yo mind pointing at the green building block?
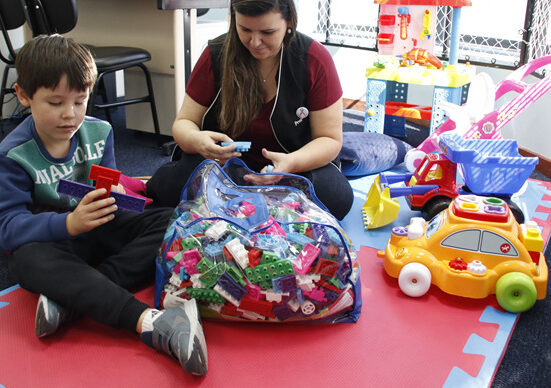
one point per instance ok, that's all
(178, 256)
(266, 272)
(334, 281)
(301, 228)
(236, 275)
(265, 285)
(205, 295)
(210, 277)
(204, 265)
(269, 257)
(190, 243)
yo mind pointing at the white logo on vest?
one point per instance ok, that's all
(302, 113)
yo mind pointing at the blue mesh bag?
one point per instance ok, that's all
(256, 253)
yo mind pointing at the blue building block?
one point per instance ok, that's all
(214, 252)
(285, 284)
(272, 242)
(241, 146)
(231, 286)
(298, 238)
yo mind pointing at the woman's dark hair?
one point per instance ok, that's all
(242, 91)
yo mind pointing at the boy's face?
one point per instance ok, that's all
(58, 113)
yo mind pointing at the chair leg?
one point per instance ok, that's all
(152, 102)
(4, 88)
(92, 99)
(103, 91)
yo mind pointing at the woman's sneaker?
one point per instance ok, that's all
(49, 317)
(178, 332)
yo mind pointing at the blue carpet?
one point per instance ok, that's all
(137, 153)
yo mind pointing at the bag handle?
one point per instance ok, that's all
(227, 201)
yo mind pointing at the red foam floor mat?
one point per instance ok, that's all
(434, 341)
(397, 341)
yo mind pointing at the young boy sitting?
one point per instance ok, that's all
(82, 257)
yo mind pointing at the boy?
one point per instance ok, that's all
(84, 256)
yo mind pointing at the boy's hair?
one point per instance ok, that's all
(44, 60)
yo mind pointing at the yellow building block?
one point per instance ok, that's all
(531, 237)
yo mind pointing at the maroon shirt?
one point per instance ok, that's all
(324, 90)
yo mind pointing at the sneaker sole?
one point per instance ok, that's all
(42, 327)
(197, 363)
(197, 348)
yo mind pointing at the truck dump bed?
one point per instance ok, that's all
(489, 166)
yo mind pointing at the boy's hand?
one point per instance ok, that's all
(90, 213)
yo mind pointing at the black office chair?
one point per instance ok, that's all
(12, 16)
(60, 16)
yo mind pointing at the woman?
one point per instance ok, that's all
(266, 83)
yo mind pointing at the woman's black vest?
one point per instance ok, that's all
(291, 132)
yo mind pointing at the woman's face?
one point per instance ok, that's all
(262, 35)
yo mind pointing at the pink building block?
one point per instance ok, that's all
(292, 204)
(275, 229)
(253, 291)
(247, 208)
(316, 294)
(190, 259)
(305, 259)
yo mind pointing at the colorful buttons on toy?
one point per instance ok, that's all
(474, 207)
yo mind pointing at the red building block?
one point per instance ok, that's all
(104, 177)
(254, 257)
(261, 307)
(327, 267)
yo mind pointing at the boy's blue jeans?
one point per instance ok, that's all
(95, 273)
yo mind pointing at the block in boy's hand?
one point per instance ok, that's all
(104, 177)
(79, 190)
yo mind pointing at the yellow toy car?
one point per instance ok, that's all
(474, 248)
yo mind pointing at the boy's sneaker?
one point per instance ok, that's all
(179, 333)
(49, 317)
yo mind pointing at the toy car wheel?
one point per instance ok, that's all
(435, 206)
(413, 159)
(516, 292)
(414, 279)
(308, 308)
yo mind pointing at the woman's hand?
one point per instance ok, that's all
(187, 132)
(207, 147)
(281, 162)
